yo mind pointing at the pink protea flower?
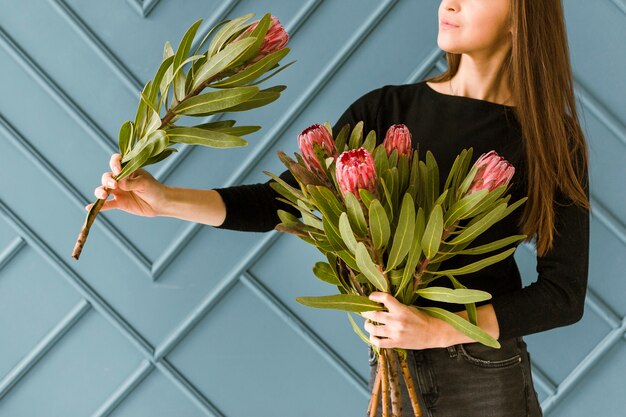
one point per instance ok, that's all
(276, 38)
(493, 171)
(355, 168)
(398, 137)
(316, 133)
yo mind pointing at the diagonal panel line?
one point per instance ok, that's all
(603, 114)
(11, 251)
(144, 369)
(298, 107)
(81, 286)
(433, 59)
(620, 5)
(543, 380)
(136, 6)
(66, 187)
(148, 5)
(301, 328)
(129, 80)
(55, 92)
(96, 301)
(576, 376)
(602, 309)
(214, 297)
(188, 388)
(179, 244)
(44, 345)
(607, 219)
(143, 8)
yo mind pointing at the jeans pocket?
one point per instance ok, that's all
(484, 356)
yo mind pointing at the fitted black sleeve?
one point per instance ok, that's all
(557, 298)
(253, 207)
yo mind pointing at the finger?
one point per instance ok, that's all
(115, 163)
(108, 205)
(378, 316)
(385, 298)
(108, 180)
(101, 193)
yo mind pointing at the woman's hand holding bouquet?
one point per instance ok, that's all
(384, 226)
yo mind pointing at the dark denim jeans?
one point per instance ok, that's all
(469, 380)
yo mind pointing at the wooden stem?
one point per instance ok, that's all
(373, 405)
(394, 383)
(385, 382)
(408, 380)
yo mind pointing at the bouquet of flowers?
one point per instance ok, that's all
(238, 54)
(384, 225)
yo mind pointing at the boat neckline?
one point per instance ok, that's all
(470, 99)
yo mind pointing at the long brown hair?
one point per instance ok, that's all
(540, 78)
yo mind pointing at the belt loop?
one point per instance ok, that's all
(452, 351)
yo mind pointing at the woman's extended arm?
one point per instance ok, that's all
(200, 206)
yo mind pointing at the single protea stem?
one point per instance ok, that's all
(410, 386)
(394, 383)
(95, 208)
(398, 137)
(372, 408)
(385, 381)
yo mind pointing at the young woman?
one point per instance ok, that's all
(508, 88)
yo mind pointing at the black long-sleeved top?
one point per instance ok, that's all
(446, 124)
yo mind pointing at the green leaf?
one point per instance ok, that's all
(203, 137)
(366, 197)
(355, 214)
(230, 28)
(404, 233)
(473, 231)
(158, 78)
(463, 206)
(158, 158)
(476, 266)
(154, 144)
(414, 253)
(462, 325)
(379, 225)
(258, 34)
(433, 233)
(220, 61)
(488, 247)
(253, 71)
(215, 101)
(346, 232)
(127, 131)
(349, 302)
(358, 330)
(282, 67)
(185, 44)
(356, 137)
(457, 296)
(140, 117)
(472, 314)
(369, 268)
(326, 273)
(370, 141)
(469, 178)
(262, 98)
